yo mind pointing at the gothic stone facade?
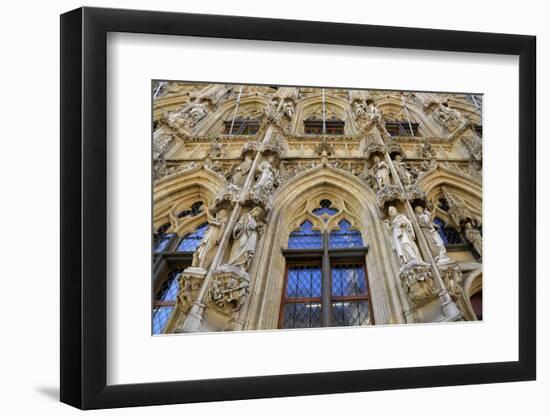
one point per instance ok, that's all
(283, 207)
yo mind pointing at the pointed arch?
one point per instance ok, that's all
(361, 211)
(310, 106)
(179, 192)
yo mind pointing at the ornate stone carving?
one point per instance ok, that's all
(403, 171)
(246, 234)
(216, 149)
(474, 237)
(202, 257)
(388, 193)
(403, 237)
(228, 290)
(452, 277)
(190, 282)
(435, 243)
(417, 280)
(448, 117)
(242, 170)
(458, 211)
(381, 172)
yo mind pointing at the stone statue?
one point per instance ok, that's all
(241, 172)
(288, 110)
(402, 170)
(374, 113)
(197, 113)
(203, 255)
(381, 172)
(448, 117)
(265, 183)
(359, 110)
(435, 243)
(246, 236)
(474, 237)
(403, 237)
(216, 149)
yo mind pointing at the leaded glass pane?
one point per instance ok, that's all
(303, 282)
(191, 241)
(350, 313)
(449, 235)
(161, 242)
(302, 315)
(348, 280)
(169, 289)
(160, 318)
(345, 237)
(305, 238)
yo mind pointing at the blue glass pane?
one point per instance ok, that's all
(345, 238)
(302, 315)
(160, 318)
(449, 235)
(348, 280)
(305, 238)
(303, 281)
(350, 313)
(191, 241)
(169, 289)
(161, 242)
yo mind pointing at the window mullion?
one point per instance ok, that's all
(327, 286)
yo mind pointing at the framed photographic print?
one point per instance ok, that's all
(291, 208)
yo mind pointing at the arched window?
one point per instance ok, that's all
(345, 237)
(317, 126)
(191, 241)
(305, 238)
(325, 286)
(449, 235)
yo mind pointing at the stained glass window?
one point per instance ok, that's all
(165, 300)
(191, 241)
(195, 209)
(325, 207)
(305, 238)
(345, 237)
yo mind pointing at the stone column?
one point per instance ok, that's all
(449, 308)
(194, 318)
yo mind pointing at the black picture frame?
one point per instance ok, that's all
(84, 207)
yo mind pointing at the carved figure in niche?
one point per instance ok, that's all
(381, 172)
(402, 170)
(235, 292)
(216, 149)
(241, 172)
(203, 255)
(448, 117)
(426, 150)
(403, 237)
(435, 243)
(265, 183)
(184, 293)
(197, 113)
(288, 110)
(246, 235)
(474, 237)
(359, 110)
(374, 113)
